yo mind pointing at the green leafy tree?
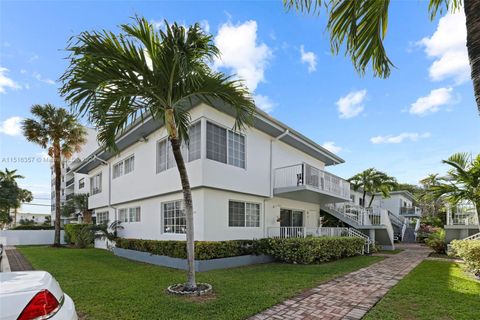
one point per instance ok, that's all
(58, 131)
(11, 195)
(373, 181)
(359, 27)
(462, 181)
(116, 78)
(22, 197)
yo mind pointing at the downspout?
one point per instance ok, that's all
(286, 132)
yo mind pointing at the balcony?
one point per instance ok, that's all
(70, 182)
(463, 214)
(304, 182)
(410, 211)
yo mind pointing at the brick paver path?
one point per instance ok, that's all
(352, 295)
(17, 261)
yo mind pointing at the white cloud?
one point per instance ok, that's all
(351, 105)
(205, 26)
(158, 24)
(6, 82)
(332, 147)
(412, 136)
(447, 46)
(11, 126)
(39, 77)
(309, 58)
(23, 71)
(33, 58)
(264, 103)
(241, 52)
(432, 102)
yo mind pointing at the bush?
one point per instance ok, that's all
(436, 241)
(469, 251)
(33, 227)
(311, 250)
(425, 231)
(204, 250)
(80, 235)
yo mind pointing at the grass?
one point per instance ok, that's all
(105, 286)
(433, 290)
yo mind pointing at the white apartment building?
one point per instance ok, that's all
(267, 181)
(72, 182)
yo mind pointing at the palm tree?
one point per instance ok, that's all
(360, 27)
(373, 181)
(24, 195)
(80, 201)
(115, 78)
(462, 181)
(58, 131)
(10, 192)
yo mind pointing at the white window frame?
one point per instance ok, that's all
(138, 214)
(123, 215)
(121, 166)
(101, 217)
(227, 146)
(245, 203)
(129, 158)
(92, 184)
(81, 183)
(182, 209)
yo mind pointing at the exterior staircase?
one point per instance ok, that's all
(409, 235)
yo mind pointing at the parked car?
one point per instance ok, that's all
(28, 295)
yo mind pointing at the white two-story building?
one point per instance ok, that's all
(266, 181)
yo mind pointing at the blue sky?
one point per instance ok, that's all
(404, 125)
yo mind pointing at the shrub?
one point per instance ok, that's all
(33, 227)
(312, 250)
(204, 250)
(80, 235)
(469, 251)
(436, 241)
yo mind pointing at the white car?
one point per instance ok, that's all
(29, 295)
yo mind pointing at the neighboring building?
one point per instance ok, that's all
(37, 218)
(462, 221)
(72, 182)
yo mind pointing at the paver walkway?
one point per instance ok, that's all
(352, 295)
(16, 260)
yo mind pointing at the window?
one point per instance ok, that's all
(129, 164)
(165, 157)
(102, 217)
(81, 183)
(118, 169)
(134, 214)
(225, 146)
(123, 215)
(243, 214)
(96, 184)
(174, 217)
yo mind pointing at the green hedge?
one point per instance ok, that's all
(469, 251)
(204, 250)
(72, 231)
(33, 227)
(312, 250)
(303, 250)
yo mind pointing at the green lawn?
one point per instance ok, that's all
(433, 290)
(104, 286)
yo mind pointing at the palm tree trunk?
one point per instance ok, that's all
(472, 14)
(363, 198)
(58, 173)
(371, 200)
(477, 208)
(188, 207)
(15, 217)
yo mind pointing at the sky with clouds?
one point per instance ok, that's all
(404, 125)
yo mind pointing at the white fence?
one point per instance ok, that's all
(28, 237)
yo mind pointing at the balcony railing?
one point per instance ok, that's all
(304, 174)
(70, 182)
(462, 214)
(410, 211)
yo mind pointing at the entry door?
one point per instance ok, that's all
(291, 218)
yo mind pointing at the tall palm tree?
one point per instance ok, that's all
(58, 131)
(373, 181)
(462, 181)
(115, 78)
(10, 191)
(360, 26)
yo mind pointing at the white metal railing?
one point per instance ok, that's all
(410, 211)
(355, 233)
(475, 236)
(327, 232)
(286, 232)
(351, 211)
(462, 214)
(304, 174)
